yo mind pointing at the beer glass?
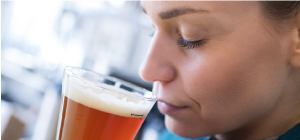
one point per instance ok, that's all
(99, 107)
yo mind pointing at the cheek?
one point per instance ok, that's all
(232, 84)
(215, 81)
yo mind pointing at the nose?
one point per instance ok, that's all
(158, 64)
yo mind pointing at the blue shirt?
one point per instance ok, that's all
(292, 134)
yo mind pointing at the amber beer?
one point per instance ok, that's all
(80, 122)
(97, 111)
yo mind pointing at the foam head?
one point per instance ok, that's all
(107, 98)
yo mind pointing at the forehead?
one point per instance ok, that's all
(231, 7)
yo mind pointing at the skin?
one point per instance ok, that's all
(242, 83)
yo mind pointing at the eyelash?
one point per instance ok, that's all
(189, 44)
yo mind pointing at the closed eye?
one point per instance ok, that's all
(189, 44)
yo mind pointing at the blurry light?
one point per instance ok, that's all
(23, 13)
(52, 53)
(74, 54)
(11, 54)
(16, 56)
(117, 3)
(90, 5)
(48, 115)
(68, 22)
(29, 14)
(150, 134)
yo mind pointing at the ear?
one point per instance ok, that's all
(295, 59)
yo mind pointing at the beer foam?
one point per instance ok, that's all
(104, 99)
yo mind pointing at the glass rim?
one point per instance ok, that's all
(70, 70)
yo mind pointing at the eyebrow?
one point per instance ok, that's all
(177, 12)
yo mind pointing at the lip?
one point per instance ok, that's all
(167, 108)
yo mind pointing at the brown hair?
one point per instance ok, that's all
(280, 10)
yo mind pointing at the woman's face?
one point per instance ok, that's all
(217, 66)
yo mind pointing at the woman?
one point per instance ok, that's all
(229, 70)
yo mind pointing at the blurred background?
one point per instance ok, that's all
(40, 38)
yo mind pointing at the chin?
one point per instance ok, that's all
(185, 130)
